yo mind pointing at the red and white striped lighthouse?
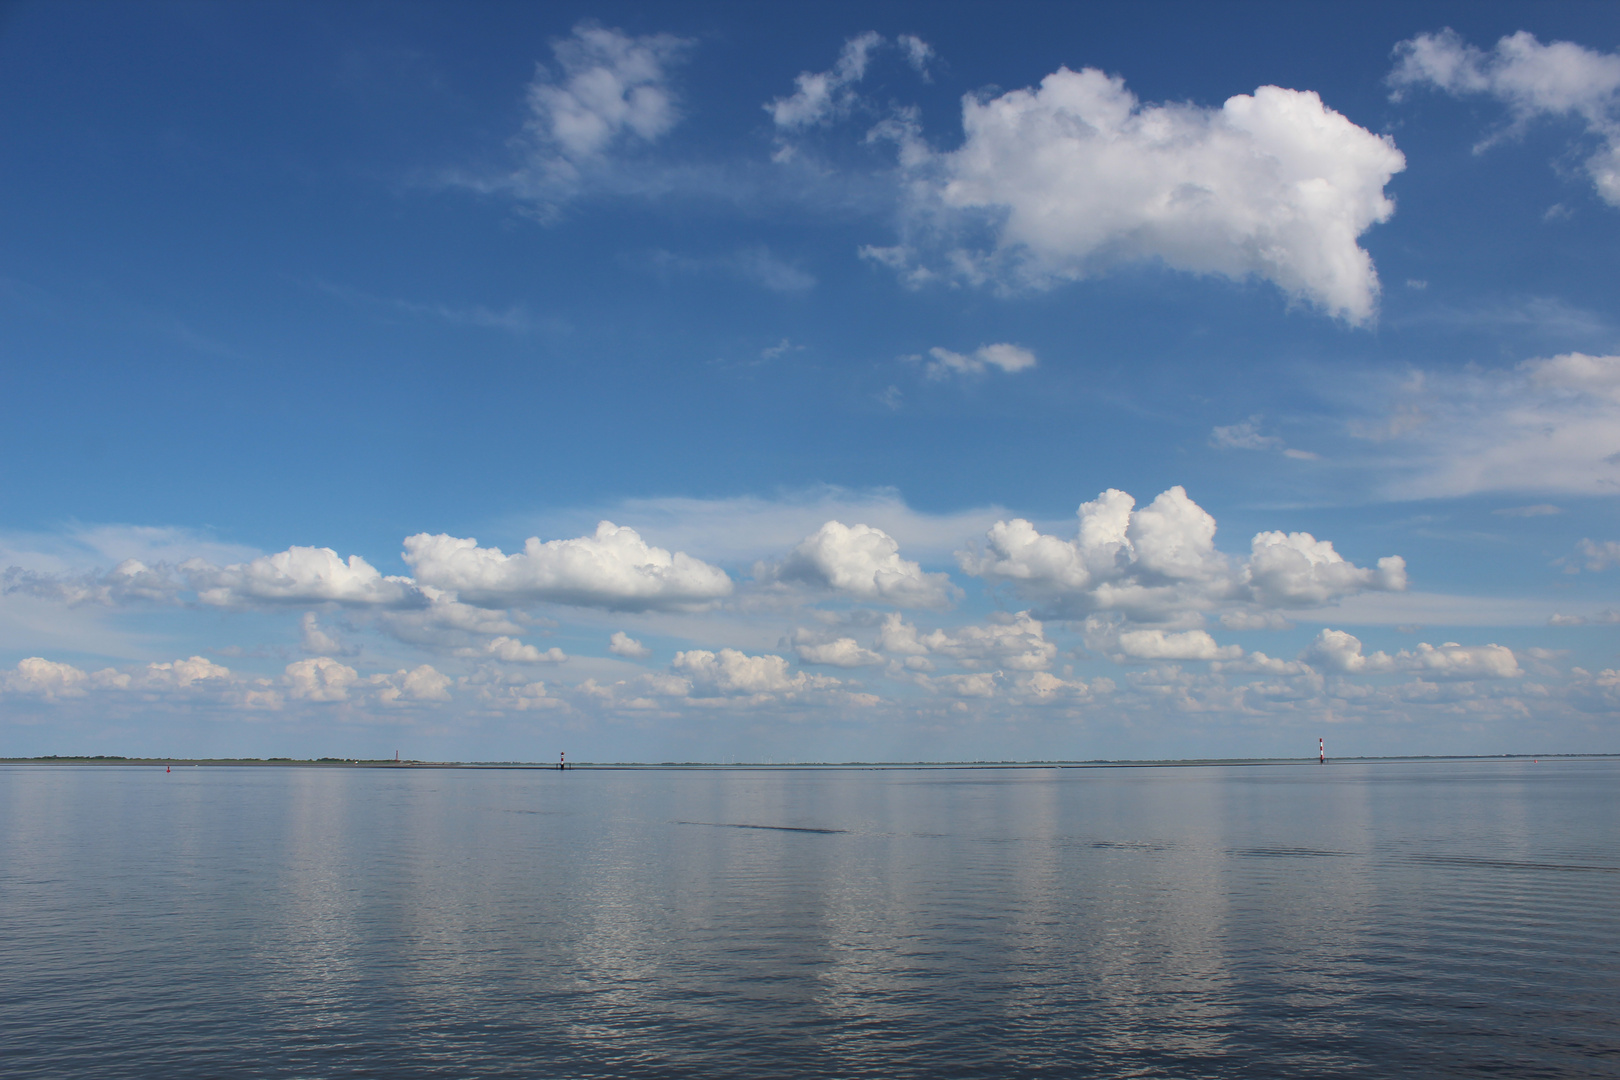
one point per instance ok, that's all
(1321, 752)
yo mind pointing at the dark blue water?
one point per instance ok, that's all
(1444, 919)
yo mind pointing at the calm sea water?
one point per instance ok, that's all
(1431, 919)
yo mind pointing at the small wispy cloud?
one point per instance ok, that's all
(1599, 555)
(822, 96)
(756, 264)
(1533, 81)
(514, 318)
(1003, 357)
(780, 349)
(1548, 426)
(1248, 436)
(1538, 510)
(1244, 436)
(1545, 318)
(1606, 616)
(609, 95)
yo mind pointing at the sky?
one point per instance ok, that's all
(834, 382)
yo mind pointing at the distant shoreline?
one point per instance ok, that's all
(700, 766)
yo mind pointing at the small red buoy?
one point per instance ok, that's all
(167, 769)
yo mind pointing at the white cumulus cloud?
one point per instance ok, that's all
(421, 683)
(512, 651)
(1298, 570)
(1159, 563)
(613, 569)
(1336, 650)
(320, 678)
(53, 681)
(1077, 175)
(179, 674)
(47, 679)
(1455, 661)
(861, 561)
(981, 684)
(731, 671)
(843, 652)
(622, 644)
(1339, 651)
(1174, 645)
(299, 575)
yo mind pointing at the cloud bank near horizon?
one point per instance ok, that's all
(1132, 596)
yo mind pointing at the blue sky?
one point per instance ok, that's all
(1062, 381)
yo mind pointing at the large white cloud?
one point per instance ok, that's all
(863, 562)
(1078, 174)
(1532, 80)
(1298, 570)
(1159, 563)
(613, 569)
(299, 575)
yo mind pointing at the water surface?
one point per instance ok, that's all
(1422, 919)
